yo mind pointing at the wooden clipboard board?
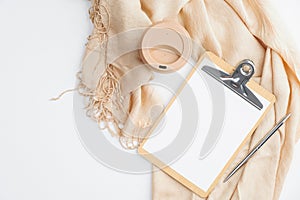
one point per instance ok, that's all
(187, 169)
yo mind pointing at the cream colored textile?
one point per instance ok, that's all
(233, 30)
(114, 78)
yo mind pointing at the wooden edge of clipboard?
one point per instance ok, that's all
(168, 170)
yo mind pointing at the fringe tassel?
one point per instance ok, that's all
(100, 104)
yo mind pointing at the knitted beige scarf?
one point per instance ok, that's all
(234, 30)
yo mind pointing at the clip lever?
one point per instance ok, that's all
(238, 80)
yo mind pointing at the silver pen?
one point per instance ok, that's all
(257, 146)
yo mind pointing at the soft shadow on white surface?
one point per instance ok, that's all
(41, 45)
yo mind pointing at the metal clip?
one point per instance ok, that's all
(238, 80)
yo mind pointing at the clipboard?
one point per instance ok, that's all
(201, 173)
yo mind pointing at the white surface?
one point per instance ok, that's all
(41, 44)
(203, 172)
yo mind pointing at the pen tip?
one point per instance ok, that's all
(226, 179)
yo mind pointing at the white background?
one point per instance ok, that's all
(41, 157)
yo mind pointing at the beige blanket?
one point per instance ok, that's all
(231, 29)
